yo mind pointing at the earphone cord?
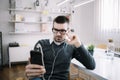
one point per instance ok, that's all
(40, 49)
(53, 65)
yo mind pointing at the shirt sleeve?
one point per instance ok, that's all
(83, 56)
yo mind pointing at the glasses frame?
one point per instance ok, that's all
(61, 31)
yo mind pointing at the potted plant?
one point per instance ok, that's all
(91, 48)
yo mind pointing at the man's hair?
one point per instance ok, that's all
(61, 19)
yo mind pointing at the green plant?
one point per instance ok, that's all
(91, 47)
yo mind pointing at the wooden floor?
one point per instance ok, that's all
(16, 72)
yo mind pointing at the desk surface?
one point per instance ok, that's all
(105, 68)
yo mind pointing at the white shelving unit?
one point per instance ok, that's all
(35, 23)
(26, 18)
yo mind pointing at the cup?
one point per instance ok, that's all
(110, 55)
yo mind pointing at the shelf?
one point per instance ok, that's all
(65, 13)
(13, 21)
(31, 32)
(25, 10)
(32, 10)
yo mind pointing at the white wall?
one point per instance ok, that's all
(4, 26)
(83, 21)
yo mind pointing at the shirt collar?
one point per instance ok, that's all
(51, 40)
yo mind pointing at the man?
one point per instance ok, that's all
(58, 54)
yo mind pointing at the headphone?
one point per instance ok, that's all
(53, 64)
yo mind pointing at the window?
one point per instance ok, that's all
(110, 15)
(107, 21)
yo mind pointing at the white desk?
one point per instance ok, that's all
(18, 54)
(105, 68)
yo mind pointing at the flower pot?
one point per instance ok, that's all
(91, 52)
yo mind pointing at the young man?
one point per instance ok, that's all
(58, 54)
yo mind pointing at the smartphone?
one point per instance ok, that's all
(36, 57)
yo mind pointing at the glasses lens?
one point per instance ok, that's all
(61, 31)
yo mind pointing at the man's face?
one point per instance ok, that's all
(59, 31)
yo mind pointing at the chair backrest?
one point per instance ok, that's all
(73, 72)
(102, 46)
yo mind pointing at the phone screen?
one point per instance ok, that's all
(36, 57)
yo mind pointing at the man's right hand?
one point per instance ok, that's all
(34, 70)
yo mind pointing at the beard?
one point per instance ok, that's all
(59, 39)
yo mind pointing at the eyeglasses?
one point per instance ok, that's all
(61, 31)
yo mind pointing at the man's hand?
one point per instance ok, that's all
(34, 70)
(73, 40)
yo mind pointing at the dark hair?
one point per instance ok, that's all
(61, 19)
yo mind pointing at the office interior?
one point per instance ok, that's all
(96, 22)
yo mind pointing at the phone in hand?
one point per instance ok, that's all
(36, 57)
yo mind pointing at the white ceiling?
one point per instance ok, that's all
(73, 1)
(53, 3)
